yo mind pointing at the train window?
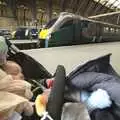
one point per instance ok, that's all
(84, 24)
(50, 23)
(116, 30)
(92, 28)
(106, 29)
(66, 24)
(112, 29)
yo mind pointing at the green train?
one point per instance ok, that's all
(71, 29)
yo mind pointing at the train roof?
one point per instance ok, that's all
(105, 23)
(87, 19)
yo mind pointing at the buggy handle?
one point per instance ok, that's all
(12, 46)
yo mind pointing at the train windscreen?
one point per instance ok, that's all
(50, 23)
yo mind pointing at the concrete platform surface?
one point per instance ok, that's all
(71, 56)
(23, 41)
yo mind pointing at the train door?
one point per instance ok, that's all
(117, 34)
(77, 32)
(88, 31)
(92, 31)
(64, 35)
(84, 32)
(98, 32)
(106, 33)
(112, 34)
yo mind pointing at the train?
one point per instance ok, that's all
(71, 29)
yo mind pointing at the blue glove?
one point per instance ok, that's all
(99, 99)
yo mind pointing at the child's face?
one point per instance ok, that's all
(19, 76)
(15, 70)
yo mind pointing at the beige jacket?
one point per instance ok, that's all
(13, 93)
(19, 87)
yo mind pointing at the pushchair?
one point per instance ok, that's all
(34, 70)
(36, 74)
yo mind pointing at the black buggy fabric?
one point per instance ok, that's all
(112, 113)
(31, 68)
(104, 114)
(34, 70)
(100, 65)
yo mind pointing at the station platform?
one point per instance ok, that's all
(72, 56)
(25, 44)
(23, 41)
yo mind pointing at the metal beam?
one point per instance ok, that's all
(13, 6)
(104, 15)
(81, 5)
(62, 5)
(112, 5)
(78, 6)
(71, 3)
(94, 6)
(86, 6)
(89, 8)
(98, 9)
(102, 7)
(74, 8)
(97, 4)
(49, 9)
(34, 9)
(116, 6)
(118, 19)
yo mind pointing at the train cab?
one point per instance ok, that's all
(60, 31)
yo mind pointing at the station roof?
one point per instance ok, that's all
(84, 8)
(112, 4)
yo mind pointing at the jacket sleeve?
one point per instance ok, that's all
(87, 80)
(84, 80)
(4, 80)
